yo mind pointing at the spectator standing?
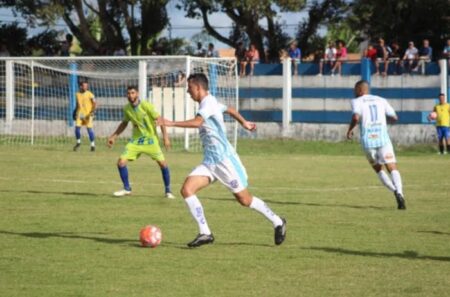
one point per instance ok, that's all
(200, 51)
(296, 55)
(212, 53)
(240, 56)
(329, 57)
(410, 56)
(341, 57)
(382, 56)
(425, 55)
(446, 52)
(252, 56)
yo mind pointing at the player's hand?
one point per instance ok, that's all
(111, 141)
(167, 143)
(74, 114)
(350, 134)
(164, 122)
(249, 126)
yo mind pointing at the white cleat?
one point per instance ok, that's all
(169, 195)
(122, 193)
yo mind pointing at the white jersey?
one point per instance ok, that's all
(373, 128)
(213, 134)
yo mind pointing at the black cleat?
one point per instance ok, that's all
(76, 147)
(280, 232)
(201, 239)
(400, 201)
(92, 148)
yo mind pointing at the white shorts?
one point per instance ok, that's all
(230, 172)
(381, 155)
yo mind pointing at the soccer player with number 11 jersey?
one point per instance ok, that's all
(370, 112)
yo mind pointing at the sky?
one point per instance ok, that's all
(181, 26)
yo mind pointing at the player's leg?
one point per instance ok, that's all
(77, 134)
(232, 174)
(129, 154)
(154, 151)
(165, 172)
(199, 178)
(91, 134)
(372, 156)
(447, 138)
(387, 157)
(440, 134)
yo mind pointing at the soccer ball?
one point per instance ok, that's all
(432, 115)
(150, 236)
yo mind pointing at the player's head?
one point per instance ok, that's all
(132, 94)
(442, 98)
(198, 86)
(84, 86)
(361, 88)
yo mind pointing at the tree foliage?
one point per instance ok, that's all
(14, 38)
(120, 25)
(403, 20)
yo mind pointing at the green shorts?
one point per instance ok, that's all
(133, 151)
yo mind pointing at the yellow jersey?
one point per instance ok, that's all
(85, 102)
(443, 115)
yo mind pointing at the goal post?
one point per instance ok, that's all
(37, 95)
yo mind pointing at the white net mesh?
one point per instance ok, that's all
(37, 96)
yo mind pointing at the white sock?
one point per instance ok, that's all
(397, 179)
(93, 143)
(261, 207)
(78, 141)
(196, 209)
(385, 179)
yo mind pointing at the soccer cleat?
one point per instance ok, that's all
(169, 195)
(201, 239)
(400, 201)
(122, 193)
(280, 232)
(92, 148)
(76, 147)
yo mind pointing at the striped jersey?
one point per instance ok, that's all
(373, 128)
(213, 135)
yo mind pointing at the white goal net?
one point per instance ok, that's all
(37, 96)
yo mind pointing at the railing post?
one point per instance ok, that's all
(9, 88)
(287, 96)
(143, 80)
(365, 69)
(443, 65)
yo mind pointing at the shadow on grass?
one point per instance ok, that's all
(410, 255)
(231, 199)
(435, 232)
(107, 195)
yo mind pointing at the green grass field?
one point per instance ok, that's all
(63, 234)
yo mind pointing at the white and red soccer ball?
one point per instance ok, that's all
(432, 116)
(150, 236)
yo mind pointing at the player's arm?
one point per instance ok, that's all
(192, 123)
(164, 133)
(238, 117)
(353, 123)
(75, 110)
(94, 105)
(112, 139)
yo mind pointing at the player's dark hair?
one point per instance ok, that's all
(82, 82)
(200, 79)
(361, 83)
(132, 88)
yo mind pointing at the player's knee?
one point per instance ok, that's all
(186, 191)
(121, 163)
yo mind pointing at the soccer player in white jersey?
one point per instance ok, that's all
(220, 161)
(370, 112)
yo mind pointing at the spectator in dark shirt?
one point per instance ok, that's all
(240, 56)
(425, 55)
(382, 57)
(395, 56)
(295, 54)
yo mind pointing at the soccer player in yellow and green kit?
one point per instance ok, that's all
(83, 114)
(443, 123)
(144, 140)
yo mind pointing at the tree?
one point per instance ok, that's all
(119, 23)
(403, 20)
(256, 17)
(14, 38)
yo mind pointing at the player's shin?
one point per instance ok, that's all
(91, 136)
(384, 178)
(166, 178)
(123, 171)
(397, 179)
(261, 207)
(196, 209)
(78, 134)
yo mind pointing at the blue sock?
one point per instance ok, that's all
(91, 134)
(123, 171)
(78, 134)
(166, 178)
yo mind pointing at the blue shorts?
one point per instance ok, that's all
(443, 132)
